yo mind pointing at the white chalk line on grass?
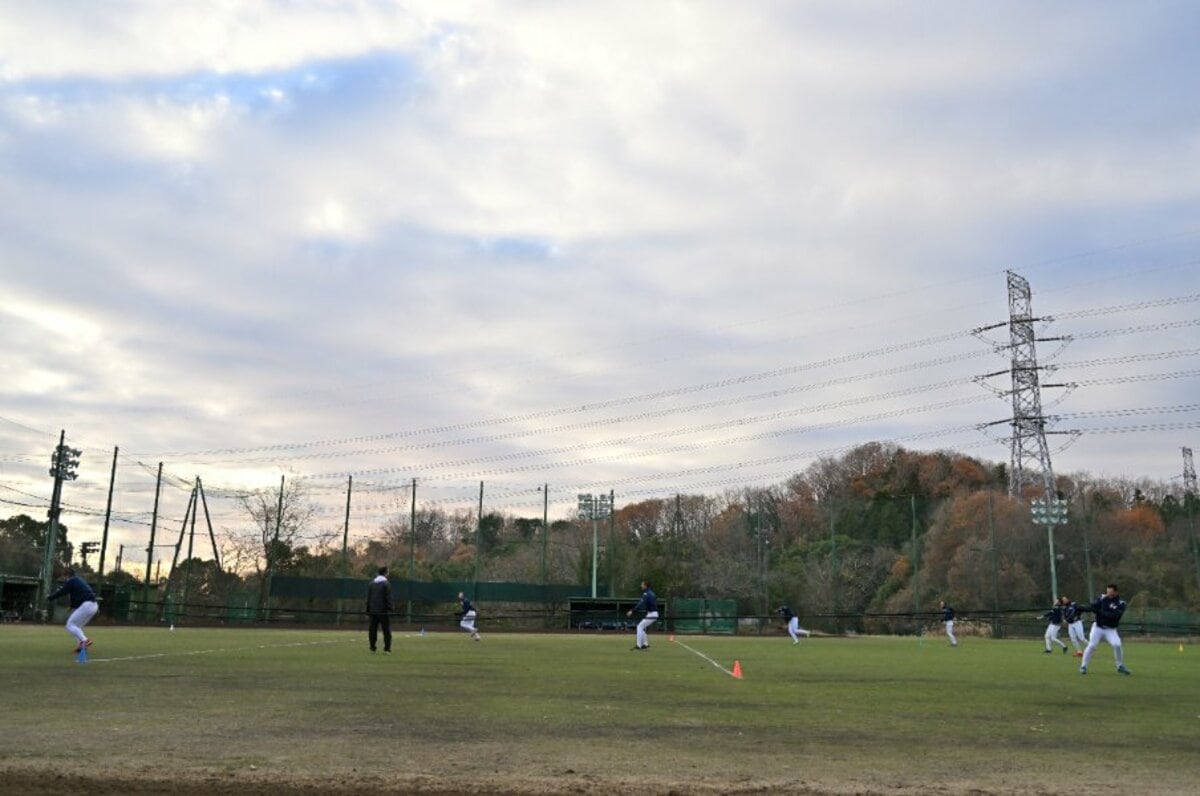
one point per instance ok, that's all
(212, 651)
(705, 657)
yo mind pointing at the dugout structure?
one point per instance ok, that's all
(687, 615)
(608, 613)
(18, 597)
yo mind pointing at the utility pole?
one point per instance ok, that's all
(112, 481)
(833, 575)
(995, 566)
(153, 528)
(912, 507)
(346, 524)
(412, 548)
(545, 490)
(63, 462)
(150, 545)
(612, 544)
(344, 569)
(1189, 501)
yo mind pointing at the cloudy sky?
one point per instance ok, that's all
(643, 247)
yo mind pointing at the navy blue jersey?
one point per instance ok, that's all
(1055, 615)
(79, 591)
(786, 613)
(466, 606)
(947, 613)
(1108, 610)
(1071, 612)
(648, 603)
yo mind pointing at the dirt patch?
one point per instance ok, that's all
(250, 782)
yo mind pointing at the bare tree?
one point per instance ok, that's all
(280, 517)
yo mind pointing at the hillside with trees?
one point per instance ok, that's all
(878, 532)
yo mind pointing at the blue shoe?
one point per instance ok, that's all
(1122, 670)
(1083, 670)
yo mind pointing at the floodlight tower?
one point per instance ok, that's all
(594, 507)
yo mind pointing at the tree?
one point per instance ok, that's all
(275, 533)
(23, 545)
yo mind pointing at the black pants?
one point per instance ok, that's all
(380, 621)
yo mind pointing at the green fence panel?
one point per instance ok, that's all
(293, 587)
(697, 615)
(1161, 621)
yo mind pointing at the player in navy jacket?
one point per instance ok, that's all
(1108, 609)
(649, 604)
(793, 623)
(467, 612)
(83, 604)
(1055, 615)
(1073, 618)
(948, 619)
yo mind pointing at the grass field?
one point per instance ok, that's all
(275, 711)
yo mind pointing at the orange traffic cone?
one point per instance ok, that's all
(737, 670)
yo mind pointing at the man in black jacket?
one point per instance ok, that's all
(1108, 609)
(379, 608)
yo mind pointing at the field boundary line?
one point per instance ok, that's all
(151, 655)
(705, 657)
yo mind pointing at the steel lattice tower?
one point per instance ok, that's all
(1030, 453)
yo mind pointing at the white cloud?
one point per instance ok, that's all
(254, 225)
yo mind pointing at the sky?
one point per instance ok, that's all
(645, 248)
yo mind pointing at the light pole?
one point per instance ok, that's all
(594, 507)
(1050, 511)
(545, 490)
(62, 468)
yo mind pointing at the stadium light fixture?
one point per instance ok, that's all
(1050, 511)
(63, 464)
(594, 508)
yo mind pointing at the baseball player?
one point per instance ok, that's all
(467, 612)
(1108, 609)
(793, 624)
(1073, 617)
(1055, 615)
(83, 605)
(948, 618)
(649, 604)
